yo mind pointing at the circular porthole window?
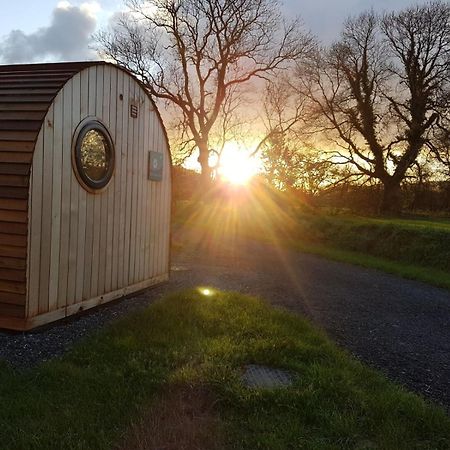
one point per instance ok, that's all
(94, 155)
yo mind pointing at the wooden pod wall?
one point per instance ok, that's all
(64, 248)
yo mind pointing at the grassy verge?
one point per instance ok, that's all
(424, 243)
(414, 249)
(119, 386)
(431, 276)
(417, 249)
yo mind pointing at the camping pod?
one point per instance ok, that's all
(85, 190)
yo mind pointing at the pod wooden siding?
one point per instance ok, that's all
(64, 249)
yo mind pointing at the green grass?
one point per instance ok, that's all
(417, 249)
(89, 398)
(428, 275)
(416, 222)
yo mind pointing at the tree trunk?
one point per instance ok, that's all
(206, 172)
(391, 202)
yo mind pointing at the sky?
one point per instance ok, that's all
(49, 30)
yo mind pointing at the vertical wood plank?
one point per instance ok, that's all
(34, 230)
(118, 193)
(47, 182)
(162, 224)
(29, 218)
(65, 194)
(167, 202)
(148, 147)
(110, 103)
(145, 182)
(97, 198)
(141, 191)
(128, 181)
(137, 193)
(89, 242)
(153, 211)
(123, 185)
(75, 272)
(103, 86)
(80, 206)
(133, 188)
(55, 242)
(159, 214)
(165, 225)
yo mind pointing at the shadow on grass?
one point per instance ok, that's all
(159, 369)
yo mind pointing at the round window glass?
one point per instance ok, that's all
(94, 155)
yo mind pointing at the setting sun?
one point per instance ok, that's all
(236, 167)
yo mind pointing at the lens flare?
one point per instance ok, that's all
(236, 167)
(206, 292)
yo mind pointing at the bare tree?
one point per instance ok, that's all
(194, 53)
(378, 92)
(283, 112)
(289, 165)
(439, 142)
(290, 162)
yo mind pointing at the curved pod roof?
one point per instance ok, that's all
(26, 93)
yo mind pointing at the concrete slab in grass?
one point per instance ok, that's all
(256, 376)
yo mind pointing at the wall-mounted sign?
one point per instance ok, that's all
(155, 166)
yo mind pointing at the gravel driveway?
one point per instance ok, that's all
(401, 327)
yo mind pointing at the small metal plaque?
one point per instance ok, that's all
(155, 169)
(255, 376)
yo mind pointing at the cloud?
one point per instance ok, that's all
(67, 38)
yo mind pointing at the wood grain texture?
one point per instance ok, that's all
(61, 246)
(17, 320)
(26, 94)
(83, 246)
